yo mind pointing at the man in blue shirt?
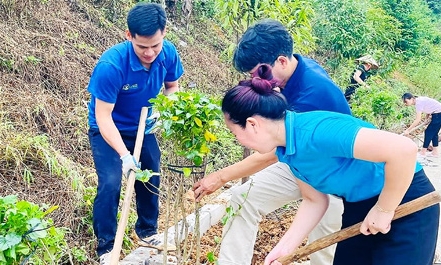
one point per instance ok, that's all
(307, 87)
(126, 76)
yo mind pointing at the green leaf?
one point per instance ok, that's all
(11, 252)
(145, 175)
(211, 257)
(187, 171)
(10, 199)
(9, 241)
(197, 160)
(38, 229)
(2, 257)
(23, 249)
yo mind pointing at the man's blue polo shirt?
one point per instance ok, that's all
(310, 88)
(120, 78)
(319, 151)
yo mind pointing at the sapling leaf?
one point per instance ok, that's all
(209, 136)
(38, 229)
(186, 171)
(145, 175)
(198, 121)
(197, 160)
(204, 149)
(188, 120)
(211, 257)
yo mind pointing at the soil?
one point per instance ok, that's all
(272, 227)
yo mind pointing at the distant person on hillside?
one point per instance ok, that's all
(432, 108)
(360, 74)
(307, 87)
(373, 171)
(126, 76)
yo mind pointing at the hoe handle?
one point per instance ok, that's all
(402, 210)
(114, 256)
(416, 128)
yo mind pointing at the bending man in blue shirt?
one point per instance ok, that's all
(307, 87)
(126, 76)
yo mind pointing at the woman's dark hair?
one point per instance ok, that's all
(407, 96)
(145, 19)
(255, 96)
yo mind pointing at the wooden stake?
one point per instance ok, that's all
(116, 251)
(402, 210)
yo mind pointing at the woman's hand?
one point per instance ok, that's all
(377, 220)
(207, 185)
(277, 252)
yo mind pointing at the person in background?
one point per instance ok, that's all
(126, 76)
(432, 108)
(373, 171)
(307, 87)
(360, 74)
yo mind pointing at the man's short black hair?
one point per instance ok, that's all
(145, 19)
(263, 42)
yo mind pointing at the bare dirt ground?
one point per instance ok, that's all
(271, 229)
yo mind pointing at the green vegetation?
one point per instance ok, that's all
(50, 47)
(189, 120)
(26, 233)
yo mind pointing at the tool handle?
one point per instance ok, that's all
(416, 127)
(116, 251)
(401, 211)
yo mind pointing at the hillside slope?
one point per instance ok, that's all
(49, 49)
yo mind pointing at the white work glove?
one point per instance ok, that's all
(129, 163)
(152, 123)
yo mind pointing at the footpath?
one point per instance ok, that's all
(432, 167)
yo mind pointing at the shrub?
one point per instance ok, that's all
(27, 235)
(377, 105)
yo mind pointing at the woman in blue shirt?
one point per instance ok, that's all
(373, 171)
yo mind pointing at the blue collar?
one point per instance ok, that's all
(293, 81)
(290, 119)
